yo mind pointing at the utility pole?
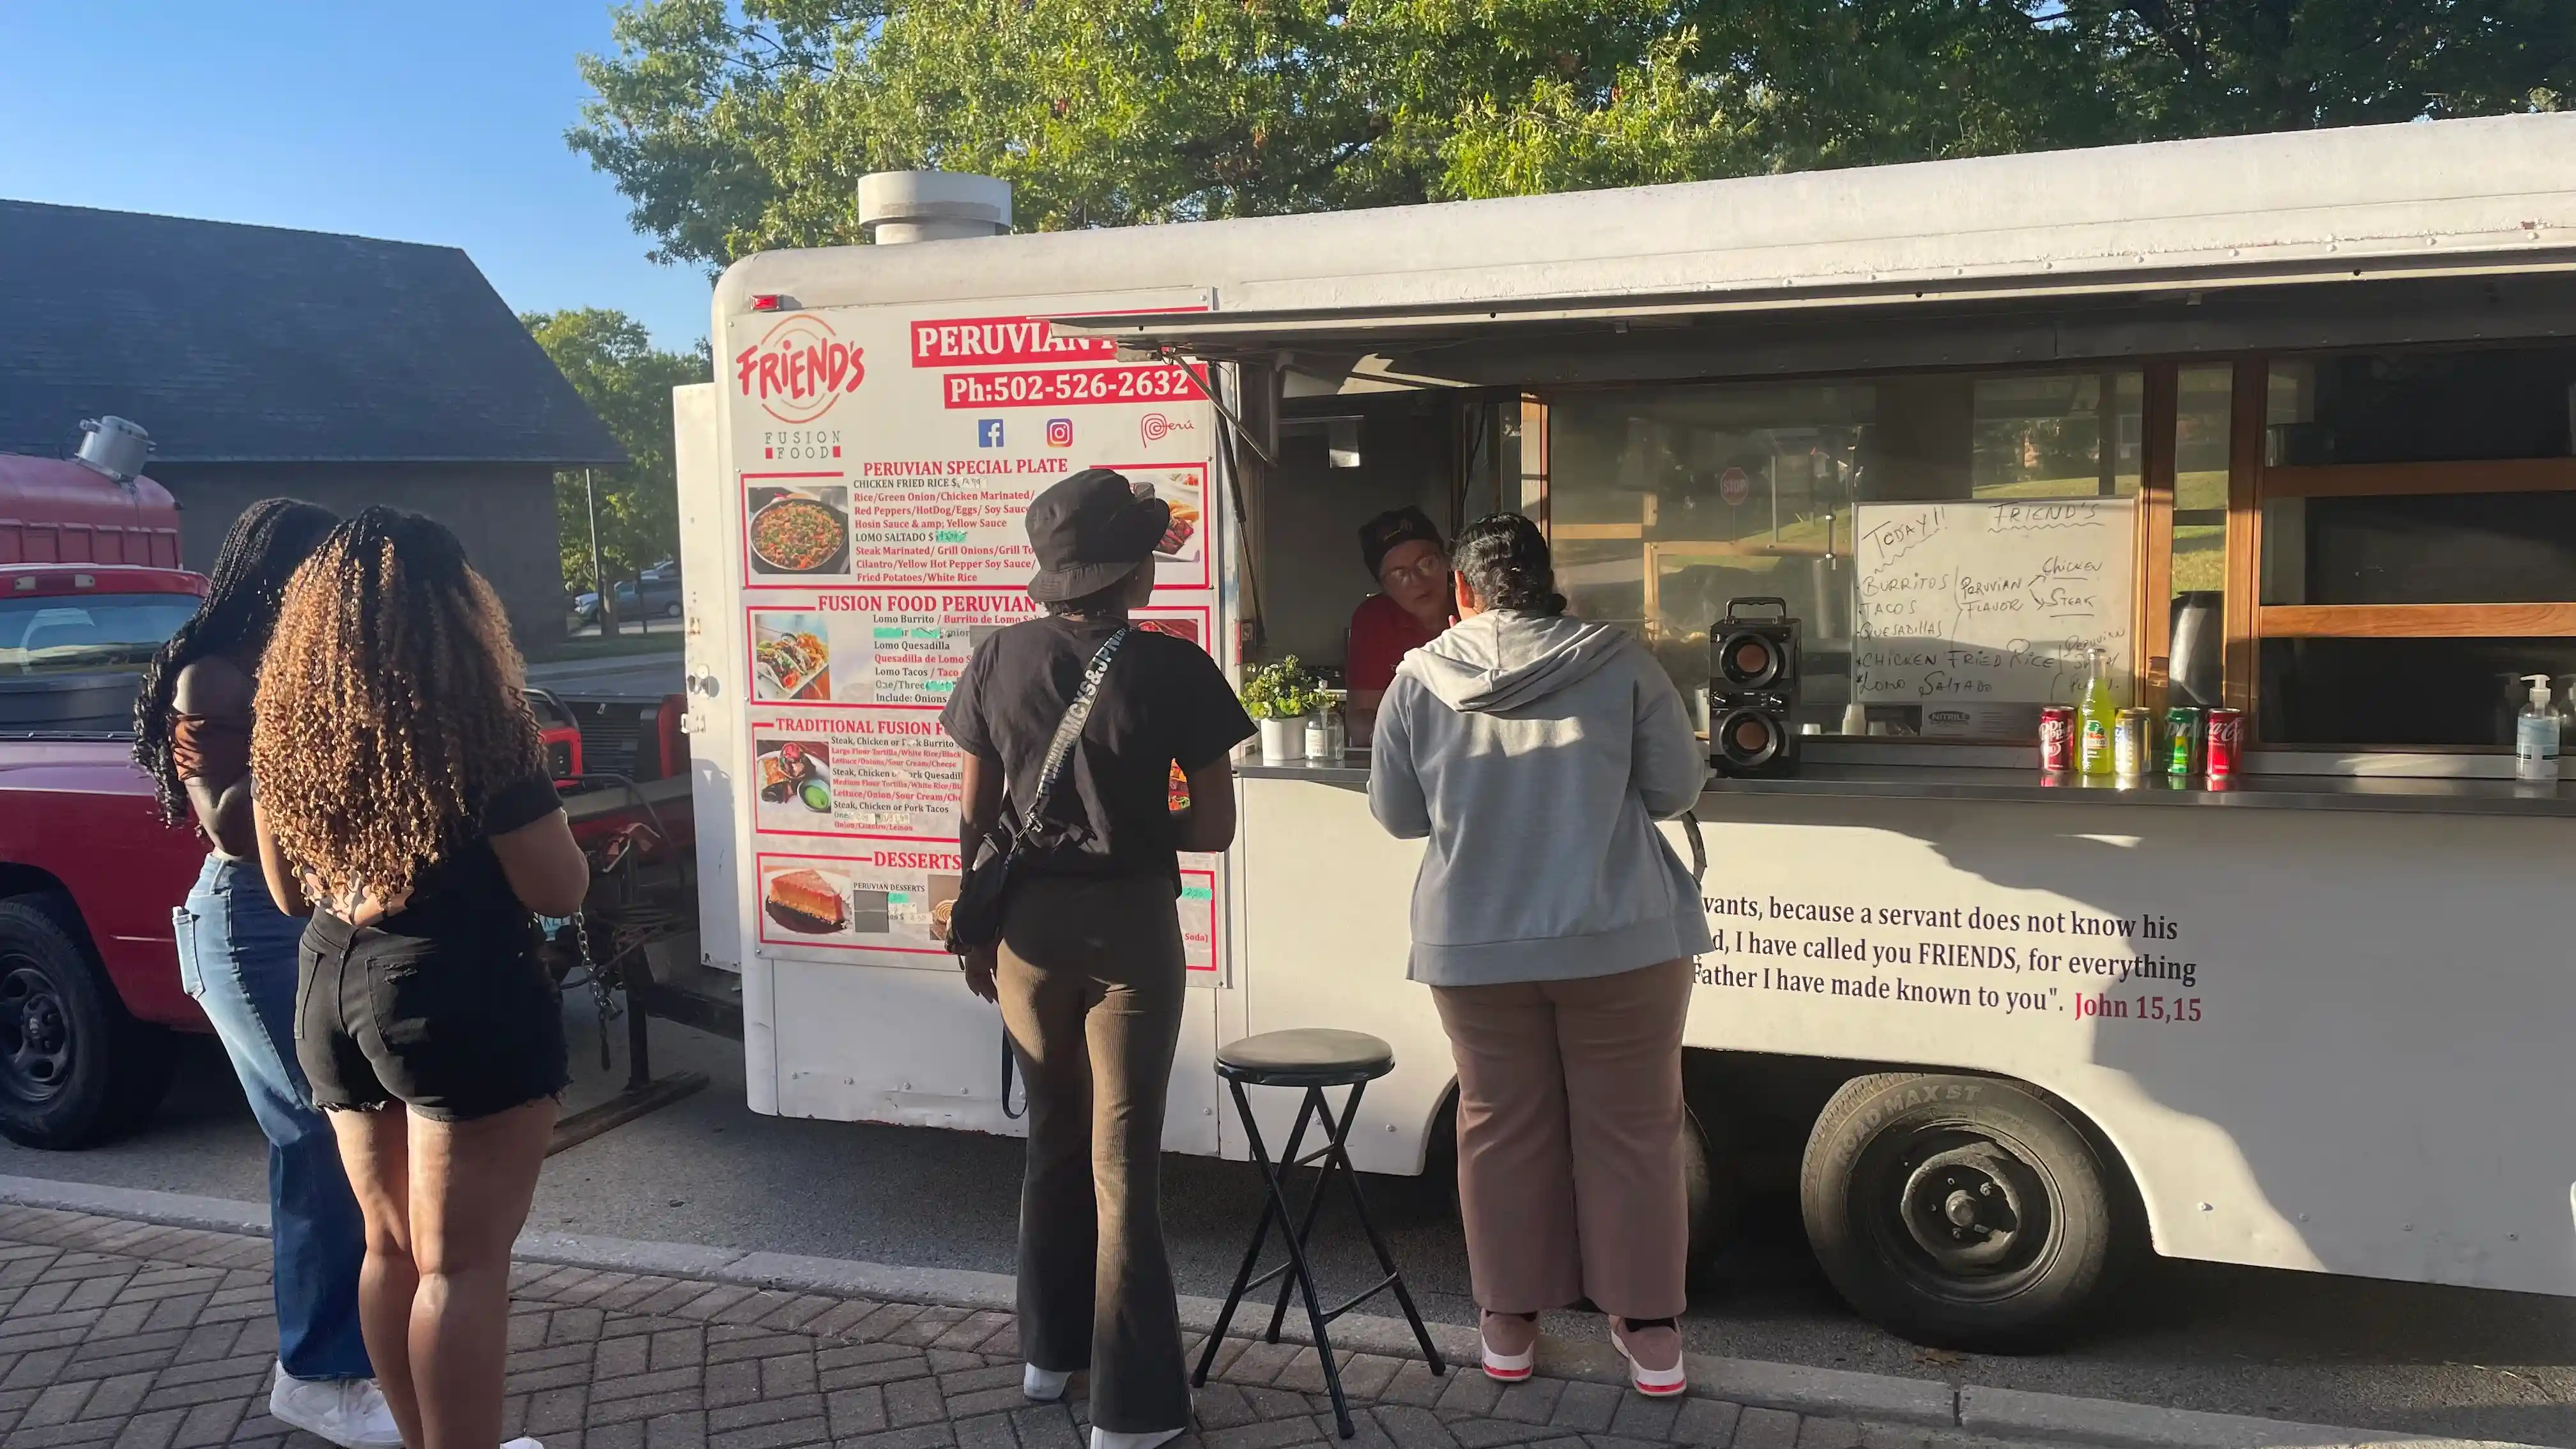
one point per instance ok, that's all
(598, 578)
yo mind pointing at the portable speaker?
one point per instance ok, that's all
(1752, 687)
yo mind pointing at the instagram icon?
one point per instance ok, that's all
(1059, 432)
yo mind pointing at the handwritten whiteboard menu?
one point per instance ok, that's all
(1989, 603)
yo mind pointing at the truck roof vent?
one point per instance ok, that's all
(911, 206)
(114, 447)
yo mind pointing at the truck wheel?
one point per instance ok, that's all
(1962, 1212)
(74, 1068)
(671, 610)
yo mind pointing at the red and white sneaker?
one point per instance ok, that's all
(1511, 1346)
(1653, 1349)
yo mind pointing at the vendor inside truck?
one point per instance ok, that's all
(1403, 549)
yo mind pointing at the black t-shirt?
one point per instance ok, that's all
(465, 895)
(1164, 701)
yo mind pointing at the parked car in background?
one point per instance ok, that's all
(654, 594)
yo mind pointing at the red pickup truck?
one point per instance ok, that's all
(89, 973)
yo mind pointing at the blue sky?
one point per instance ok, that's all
(440, 122)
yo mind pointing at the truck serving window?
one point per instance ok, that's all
(105, 633)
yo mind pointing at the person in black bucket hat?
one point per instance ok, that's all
(1089, 532)
(1089, 971)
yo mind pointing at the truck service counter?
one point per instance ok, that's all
(2006, 785)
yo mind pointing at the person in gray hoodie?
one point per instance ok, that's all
(1555, 927)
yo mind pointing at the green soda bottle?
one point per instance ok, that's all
(2096, 717)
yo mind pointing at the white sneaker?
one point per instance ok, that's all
(1043, 1386)
(523, 1444)
(1103, 1439)
(349, 1412)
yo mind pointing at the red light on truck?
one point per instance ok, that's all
(767, 301)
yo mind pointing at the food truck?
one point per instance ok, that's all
(2275, 424)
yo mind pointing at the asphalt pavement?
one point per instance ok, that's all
(622, 674)
(2188, 1335)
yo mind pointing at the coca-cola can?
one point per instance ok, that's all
(2226, 743)
(2057, 738)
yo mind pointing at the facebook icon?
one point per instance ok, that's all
(988, 432)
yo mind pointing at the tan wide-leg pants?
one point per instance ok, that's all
(1090, 977)
(1570, 1140)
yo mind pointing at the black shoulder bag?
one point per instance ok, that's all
(975, 921)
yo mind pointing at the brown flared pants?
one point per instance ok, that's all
(1091, 985)
(1570, 1140)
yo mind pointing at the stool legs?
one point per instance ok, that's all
(1297, 1275)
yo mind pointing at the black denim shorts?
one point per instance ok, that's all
(453, 1028)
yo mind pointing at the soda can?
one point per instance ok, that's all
(2057, 738)
(2226, 749)
(2130, 738)
(2183, 743)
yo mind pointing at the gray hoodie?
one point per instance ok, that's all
(1536, 752)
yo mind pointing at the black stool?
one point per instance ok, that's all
(1313, 1059)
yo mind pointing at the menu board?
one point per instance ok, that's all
(1972, 604)
(885, 458)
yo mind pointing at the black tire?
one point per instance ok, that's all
(1960, 1212)
(75, 1069)
(671, 610)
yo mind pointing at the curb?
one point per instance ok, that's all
(1987, 1412)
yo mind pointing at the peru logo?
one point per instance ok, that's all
(798, 369)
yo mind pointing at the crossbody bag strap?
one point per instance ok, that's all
(1068, 733)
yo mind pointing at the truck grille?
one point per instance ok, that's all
(618, 738)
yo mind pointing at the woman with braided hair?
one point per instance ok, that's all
(403, 803)
(192, 723)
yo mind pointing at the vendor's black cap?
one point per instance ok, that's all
(1380, 535)
(1090, 531)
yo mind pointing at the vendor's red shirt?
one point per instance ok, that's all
(1381, 633)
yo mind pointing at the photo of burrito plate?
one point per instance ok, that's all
(798, 771)
(808, 902)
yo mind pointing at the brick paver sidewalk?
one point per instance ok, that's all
(144, 1337)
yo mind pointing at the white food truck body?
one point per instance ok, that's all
(2316, 1022)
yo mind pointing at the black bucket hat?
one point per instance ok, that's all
(1380, 535)
(1090, 531)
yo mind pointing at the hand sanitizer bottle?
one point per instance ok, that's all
(2535, 736)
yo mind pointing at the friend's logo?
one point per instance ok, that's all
(798, 369)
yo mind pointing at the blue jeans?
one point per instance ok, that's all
(237, 957)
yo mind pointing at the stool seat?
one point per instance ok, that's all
(1305, 1057)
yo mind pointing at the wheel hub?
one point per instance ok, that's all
(1966, 1207)
(35, 1035)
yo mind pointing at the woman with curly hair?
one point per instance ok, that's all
(403, 802)
(192, 723)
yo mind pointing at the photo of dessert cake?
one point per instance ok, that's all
(809, 902)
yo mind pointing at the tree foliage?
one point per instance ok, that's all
(611, 361)
(734, 125)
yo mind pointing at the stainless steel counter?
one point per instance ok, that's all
(2403, 795)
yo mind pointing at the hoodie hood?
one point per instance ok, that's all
(1501, 661)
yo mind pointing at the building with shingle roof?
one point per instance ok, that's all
(340, 369)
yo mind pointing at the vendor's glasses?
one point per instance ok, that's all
(1429, 571)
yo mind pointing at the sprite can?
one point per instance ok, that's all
(2184, 742)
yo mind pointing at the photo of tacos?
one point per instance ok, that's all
(803, 532)
(790, 658)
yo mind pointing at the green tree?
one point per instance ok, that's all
(611, 361)
(732, 130)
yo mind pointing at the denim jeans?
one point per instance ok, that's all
(237, 957)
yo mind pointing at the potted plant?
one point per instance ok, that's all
(1280, 696)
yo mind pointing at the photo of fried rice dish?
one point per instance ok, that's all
(795, 534)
